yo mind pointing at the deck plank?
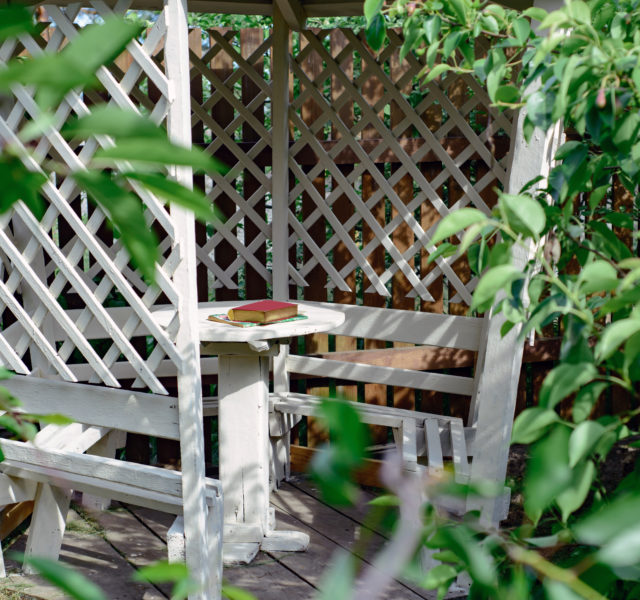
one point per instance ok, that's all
(330, 531)
(107, 547)
(85, 550)
(265, 577)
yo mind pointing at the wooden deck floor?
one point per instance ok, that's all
(107, 547)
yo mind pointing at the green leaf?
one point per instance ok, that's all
(489, 23)
(438, 576)
(521, 30)
(51, 419)
(69, 581)
(174, 192)
(555, 590)
(532, 423)
(626, 131)
(385, 500)
(160, 153)
(583, 440)
(494, 79)
(234, 593)
(15, 20)
(579, 11)
(25, 185)
(597, 276)
(115, 122)
(432, 53)
(539, 14)
(5, 373)
(451, 43)
(586, 399)
(553, 19)
(437, 71)
(376, 32)
(445, 249)
(338, 580)
(125, 212)
(610, 521)
(75, 66)
(332, 467)
(573, 497)
(509, 94)
(631, 355)
(548, 472)
(371, 9)
(431, 28)
(614, 335)
(523, 214)
(568, 148)
(474, 555)
(563, 380)
(493, 281)
(459, 10)
(162, 572)
(456, 221)
(624, 550)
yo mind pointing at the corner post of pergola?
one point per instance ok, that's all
(189, 381)
(280, 149)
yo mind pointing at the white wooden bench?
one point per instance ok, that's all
(423, 439)
(57, 462)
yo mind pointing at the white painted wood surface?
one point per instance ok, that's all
(320, 318)
(189, 384)
(118, 409)
(51, 505)
(243, 445)
(500, 359)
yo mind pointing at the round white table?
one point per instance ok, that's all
(243, 423)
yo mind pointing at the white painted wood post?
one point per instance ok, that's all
(243, 426)
(48, 522)
(280, 149)
(280, 444)
(187, 339)
(500, 358)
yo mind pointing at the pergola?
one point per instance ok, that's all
(74, 353)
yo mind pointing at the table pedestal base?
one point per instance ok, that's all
(242, 553)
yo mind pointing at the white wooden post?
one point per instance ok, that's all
(280, 149)
(187, 340)
(48, 521)
(243, 425)
(500, 358)
(280, 443)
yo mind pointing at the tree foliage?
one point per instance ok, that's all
(579, 67)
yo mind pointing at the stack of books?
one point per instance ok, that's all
(264, 312)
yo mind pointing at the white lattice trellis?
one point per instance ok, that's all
(44, 268)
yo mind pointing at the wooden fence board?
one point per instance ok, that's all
(223, 114)
(342, 208)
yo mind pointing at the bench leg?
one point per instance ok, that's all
(47, 523)
(215, 526)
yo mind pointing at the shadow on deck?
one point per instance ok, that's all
(107, 547)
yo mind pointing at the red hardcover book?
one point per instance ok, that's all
(264, 311)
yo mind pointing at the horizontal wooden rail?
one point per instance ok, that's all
(306, 156)
(368, 474)
(431, 358)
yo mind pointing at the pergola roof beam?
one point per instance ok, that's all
(293, 13)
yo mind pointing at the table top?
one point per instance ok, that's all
(319, 319)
